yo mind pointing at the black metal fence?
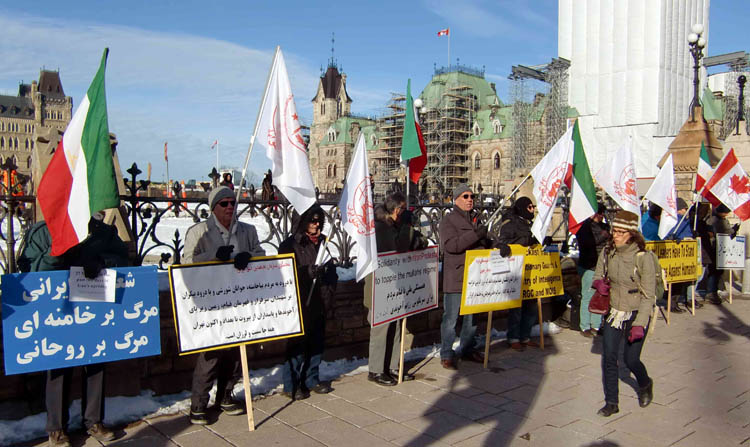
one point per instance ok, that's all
(148, 216)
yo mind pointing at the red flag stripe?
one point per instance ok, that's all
(55, 190)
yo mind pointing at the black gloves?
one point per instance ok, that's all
(330, 276)
(241, 260)
(735, 229)
(504, 250)
(92, 267)
(481, 232)
(314, 270)
(224, 252)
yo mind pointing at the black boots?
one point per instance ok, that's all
(646, 394)
(608, 410)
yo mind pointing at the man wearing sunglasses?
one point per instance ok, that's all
(207, 241)
(460, 230)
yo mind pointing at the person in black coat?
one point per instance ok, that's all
(592, 237)
(517, 230)
(301, 370)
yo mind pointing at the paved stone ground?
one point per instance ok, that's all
(700, 366)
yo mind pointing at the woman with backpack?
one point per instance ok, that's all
(627, 272)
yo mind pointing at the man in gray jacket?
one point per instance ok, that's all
(460, 230)
(221, 237)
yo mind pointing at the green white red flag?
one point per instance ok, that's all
(80, 179)
(582, 191)
(413, 149)
(704, 172)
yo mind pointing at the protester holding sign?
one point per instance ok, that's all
(517, 230)
(303, 354)
(460, 230)
(101, 249)
(221, 237)
(393, 232)
(629, 272)
(719, 224)
(682, 230)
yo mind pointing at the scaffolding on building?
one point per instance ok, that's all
(446, 129)
(386, 167)
(535, 132)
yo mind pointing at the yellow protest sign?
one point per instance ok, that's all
(679, 259)
(494, 283)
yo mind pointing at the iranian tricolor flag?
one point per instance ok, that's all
(80, 178)
(413, 149)
(731, 185)
(704, 173)
(582, 192)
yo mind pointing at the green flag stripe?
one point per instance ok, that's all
(409, 140)
(581, 172)
(102, 186)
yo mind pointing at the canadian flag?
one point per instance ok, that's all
(444, 32)
(214, 144)
(731, 186)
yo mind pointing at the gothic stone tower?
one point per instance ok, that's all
(330, 103)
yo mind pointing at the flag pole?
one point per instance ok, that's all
(449, 48)
(217, 157)
(403, 320)
(502, 203)
(252, 140)
(166, 160)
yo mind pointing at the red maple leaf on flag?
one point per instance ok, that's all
(739, 184)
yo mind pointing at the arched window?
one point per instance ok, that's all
(16, 144)
(28, 162)
(322, 108)
(338, 108)
(477, 161)
(2, 142)
(334, 169)
(26, 144)
(374, 140)
(476, 130)
(331, 134)
(496, 161)
(497, 127)
(330, 170)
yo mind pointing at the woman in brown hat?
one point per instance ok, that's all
(632, 285)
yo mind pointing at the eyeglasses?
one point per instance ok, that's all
(316, 220)
(468, 196)
(226, 203)
(532, 206)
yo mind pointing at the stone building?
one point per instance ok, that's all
(467, 129)
(39, 110)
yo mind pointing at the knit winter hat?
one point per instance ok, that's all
(681, 204)
(222, 192)
(460, 189)
(625, 220)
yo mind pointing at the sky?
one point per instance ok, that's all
(191, 72)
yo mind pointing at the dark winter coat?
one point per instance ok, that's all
(516, 230)
(102, 246)
(458, 234)
(591, 237)
(305, 253)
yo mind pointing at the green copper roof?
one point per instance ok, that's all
(713, 109)
(439, 84)
(485, 119)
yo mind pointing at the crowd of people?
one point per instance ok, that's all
(610, 262)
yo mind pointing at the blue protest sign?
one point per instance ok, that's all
(43, 330)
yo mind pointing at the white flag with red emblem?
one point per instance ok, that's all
(662, 192)
(548, 175)
(357, 212)
(280, 133)
(731, 186)
(617, 178)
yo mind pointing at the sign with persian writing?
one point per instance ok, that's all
(531, 273)
(217, 306)
(404, 284)
(43, 329)
(730, 253)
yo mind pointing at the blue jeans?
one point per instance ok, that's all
(588, 320)
(520, 321)
(303, 356)
(451, 307)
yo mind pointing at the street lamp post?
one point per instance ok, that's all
(697, 44)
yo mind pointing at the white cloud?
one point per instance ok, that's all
(180, 88)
